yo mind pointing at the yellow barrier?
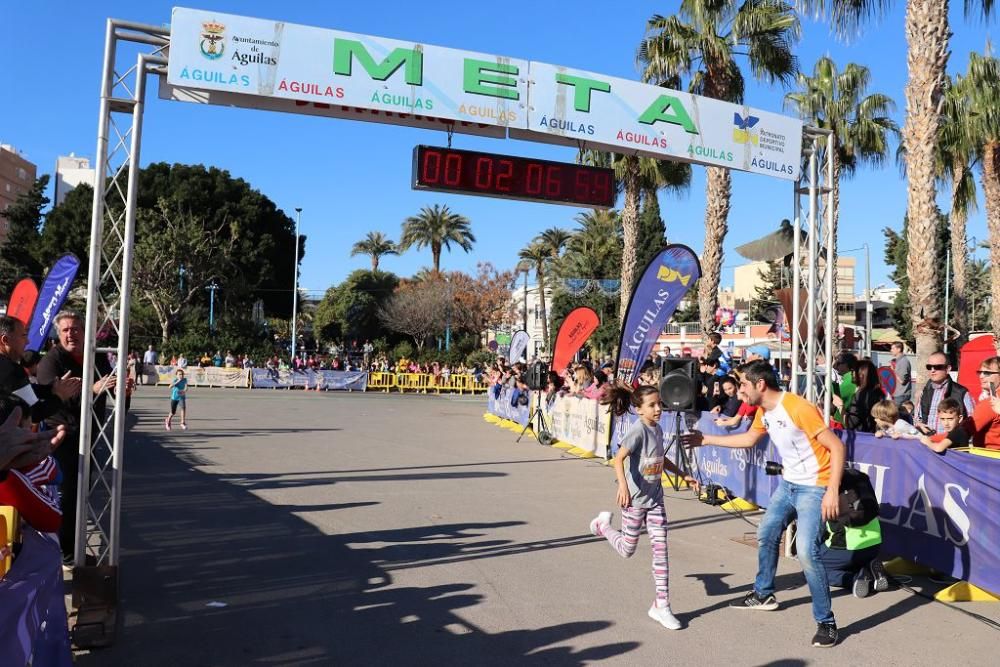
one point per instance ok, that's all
(381, 381)
(9, 524)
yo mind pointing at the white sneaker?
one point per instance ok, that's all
(602, 519)
(664, 617)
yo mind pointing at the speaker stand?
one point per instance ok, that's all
(681, 458)
(536, 419)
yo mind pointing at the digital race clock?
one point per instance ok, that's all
(492, 175)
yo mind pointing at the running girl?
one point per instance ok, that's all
(640, 490)
(178, 397)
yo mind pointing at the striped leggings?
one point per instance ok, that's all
(625, 541)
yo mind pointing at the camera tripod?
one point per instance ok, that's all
(681, 457)
(536, 419)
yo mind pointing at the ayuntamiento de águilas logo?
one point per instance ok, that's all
(213, 35)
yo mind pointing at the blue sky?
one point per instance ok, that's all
(353, 177)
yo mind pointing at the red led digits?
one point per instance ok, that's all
(472, 172)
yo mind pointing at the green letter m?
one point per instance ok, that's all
(345, 50)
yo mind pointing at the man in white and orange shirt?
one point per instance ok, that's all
(812, 460)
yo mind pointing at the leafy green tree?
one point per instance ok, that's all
(375, 245)
(770, 281)
(652, 231)
(437, 227)
(261, 237)
(351, 309)
(19, 252)
(702, 43)
(67, 227)
(177, 255)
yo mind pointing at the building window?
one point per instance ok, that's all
(22, 174)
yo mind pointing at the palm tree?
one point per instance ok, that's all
(594, 250)
(375, 245)
(702, 43)
(927, 34)
(537, 256)
(955, 160)
(555, 239)
(984, 86)
(860, 123)
(437, 227)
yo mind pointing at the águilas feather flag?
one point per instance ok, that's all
(518, 344)
(51, 297)
(664, 282)
(574, 332)
(22, 300)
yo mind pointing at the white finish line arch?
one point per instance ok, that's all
(215, 58)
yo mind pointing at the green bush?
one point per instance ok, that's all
(402, 349)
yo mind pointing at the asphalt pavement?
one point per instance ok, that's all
(292, 528)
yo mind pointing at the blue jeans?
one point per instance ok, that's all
(802, 503)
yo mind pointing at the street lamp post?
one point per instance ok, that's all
(868, 304)
(211, 306)
(526, 299)
(295, 284)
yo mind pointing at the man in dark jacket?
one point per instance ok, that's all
(37, 401)
(939, 387)
(64, 358)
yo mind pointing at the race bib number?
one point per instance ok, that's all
(652, 468)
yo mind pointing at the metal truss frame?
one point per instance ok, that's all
(102, 433)
(813, 322)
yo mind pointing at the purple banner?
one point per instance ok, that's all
(51, 298)
(502, 401)
(262, 378)
(659, 290)
(939, 510)
(32, 608)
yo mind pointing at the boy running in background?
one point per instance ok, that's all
(178, 397)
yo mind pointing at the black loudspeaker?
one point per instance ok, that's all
(537, 377)
(678, 389)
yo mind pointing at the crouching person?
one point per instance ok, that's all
(850, 552)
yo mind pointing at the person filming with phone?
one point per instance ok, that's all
(812, 464)
(985, 422)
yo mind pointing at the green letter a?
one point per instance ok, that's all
(668, 109)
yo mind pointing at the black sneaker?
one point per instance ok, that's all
(879, 575)
(862, 587)
(826, 635)
(753, 601)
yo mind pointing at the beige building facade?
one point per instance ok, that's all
(17, 175)
(747, 280)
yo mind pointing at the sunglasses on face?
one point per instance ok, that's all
(983, 372)
(937, 367)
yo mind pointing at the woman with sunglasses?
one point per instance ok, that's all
(985, 422)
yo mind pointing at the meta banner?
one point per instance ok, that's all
(572, 106)
(574, 332)
(663, 284)
(51, 297)
(22, 300)
(518, 344)
(232, 60)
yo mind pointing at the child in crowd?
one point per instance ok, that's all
(178, 397)
(906, 411)
(950, 421)
(640, 490)
(889, 423)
